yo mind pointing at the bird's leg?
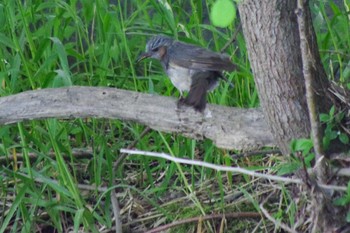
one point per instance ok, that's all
(180, 103)
(181, 95)
(181, 100)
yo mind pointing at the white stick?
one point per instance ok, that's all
(225, 168)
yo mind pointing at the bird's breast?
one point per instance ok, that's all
(180, 77)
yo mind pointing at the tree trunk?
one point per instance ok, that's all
(272, 36)
(271, 32)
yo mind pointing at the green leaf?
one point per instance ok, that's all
(60, 50)
(288, 168)
(308, 159)
(326, 142)
(62, 79)
(6, 41)
(324, 117)
(223, 13)
(340, 116)
(348, 217)
(14, 207)
(52, 183)
(345, 199)
(302, 144)
(78, 219)
(341, 201)
(166, 11)
(331, 112)
(333, 134)
(344, 138)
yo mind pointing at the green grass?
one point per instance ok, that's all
(95, 43)
(332, 28)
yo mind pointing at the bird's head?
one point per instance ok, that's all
(156, 48)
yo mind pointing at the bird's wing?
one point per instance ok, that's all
(194, 57)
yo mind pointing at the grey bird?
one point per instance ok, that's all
(190, 68)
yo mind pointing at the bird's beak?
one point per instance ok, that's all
(142, 56)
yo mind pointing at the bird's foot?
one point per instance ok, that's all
(201, 107)
(181, 102)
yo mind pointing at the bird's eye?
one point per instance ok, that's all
(155, 49)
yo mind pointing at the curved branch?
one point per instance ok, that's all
(229, 128)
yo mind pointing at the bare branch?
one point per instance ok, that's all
(323, 218)
(229, 128)
(116, 212)
(226, 168)
(309, 76)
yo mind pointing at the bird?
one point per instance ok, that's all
(190, 68)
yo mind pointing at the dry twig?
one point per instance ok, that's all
(227, 169)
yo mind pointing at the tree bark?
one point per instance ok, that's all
(273, 41)
(270, 29)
